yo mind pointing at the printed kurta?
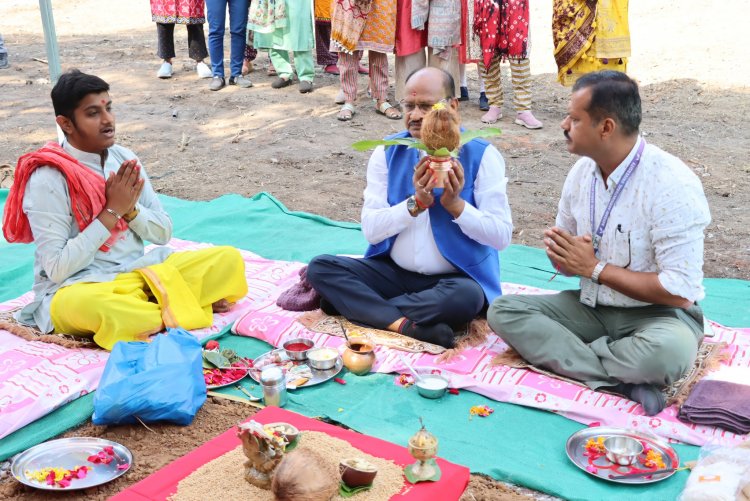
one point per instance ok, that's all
(178, 11)
(589, 35)
(379, 33)
(296, 34)
(323, 10)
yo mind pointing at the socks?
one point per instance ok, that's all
(440, 334)
(649, 396)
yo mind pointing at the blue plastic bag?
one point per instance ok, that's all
(157, 381)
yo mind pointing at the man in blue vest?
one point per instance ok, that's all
(432, 264)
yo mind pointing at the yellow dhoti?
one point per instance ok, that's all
(176, 293)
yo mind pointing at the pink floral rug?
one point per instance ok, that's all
(472, 370)
(38, 377)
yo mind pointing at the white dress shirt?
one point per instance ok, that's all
(655, 226)
(64, 255)
(489, 223)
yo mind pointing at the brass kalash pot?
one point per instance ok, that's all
(359, 355)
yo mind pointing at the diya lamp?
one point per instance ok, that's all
(423, 447)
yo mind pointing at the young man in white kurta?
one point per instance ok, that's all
(634, 326)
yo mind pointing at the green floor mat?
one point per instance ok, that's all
(517, 444)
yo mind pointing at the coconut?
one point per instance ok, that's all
(300, 477)
(440, 128)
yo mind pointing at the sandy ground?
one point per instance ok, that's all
(198, 144)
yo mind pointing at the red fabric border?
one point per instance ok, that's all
(163, 483)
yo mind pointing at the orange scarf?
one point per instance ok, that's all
(86, 190)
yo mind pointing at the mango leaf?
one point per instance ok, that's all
(215, 358)
(420, 146)
(468, 135)
(346, 492)
(441, 152)
(369, 144)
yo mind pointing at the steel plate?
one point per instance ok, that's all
(604, 469)
(70, 453)
(318, 376)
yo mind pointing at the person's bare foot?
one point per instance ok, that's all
(247, 67)
(221, 306)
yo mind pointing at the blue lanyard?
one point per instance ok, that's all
(597, 235)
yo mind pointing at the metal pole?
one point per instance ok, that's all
(50, 40)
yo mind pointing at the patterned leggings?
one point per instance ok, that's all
(349, 69)
(520, 71)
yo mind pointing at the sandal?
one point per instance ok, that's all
(387, 109)
(271, 72)
(281, 82)
(346, 112)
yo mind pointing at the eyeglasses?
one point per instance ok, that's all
(408, 107)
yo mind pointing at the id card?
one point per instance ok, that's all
(589, 292)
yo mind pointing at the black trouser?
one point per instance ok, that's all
(322, 44)
(377, 292)
(196, 41)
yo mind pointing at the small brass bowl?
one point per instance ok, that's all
(288, 431)
(622, 450)
(322, 358)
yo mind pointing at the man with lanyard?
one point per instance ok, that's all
(630, 223)
(432, 264)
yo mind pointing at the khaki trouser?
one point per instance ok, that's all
(599, 346)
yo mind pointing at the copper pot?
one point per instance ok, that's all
(359, 356)
(440, 167)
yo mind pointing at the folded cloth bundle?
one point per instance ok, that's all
(300, 296)
(719, 403)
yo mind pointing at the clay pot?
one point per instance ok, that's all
(359, 356)
(354, 475)
(441, 166)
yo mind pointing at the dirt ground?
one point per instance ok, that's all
(198, 144)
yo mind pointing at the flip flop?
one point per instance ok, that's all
(343, 115)
(383, 110)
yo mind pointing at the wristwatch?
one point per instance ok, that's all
(131, 215)
(597, 271)
(413, 207)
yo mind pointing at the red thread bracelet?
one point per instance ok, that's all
(423, 207)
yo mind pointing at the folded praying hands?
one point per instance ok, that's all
(571, 255)
(123, 188)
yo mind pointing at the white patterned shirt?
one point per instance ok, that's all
(656, 225)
